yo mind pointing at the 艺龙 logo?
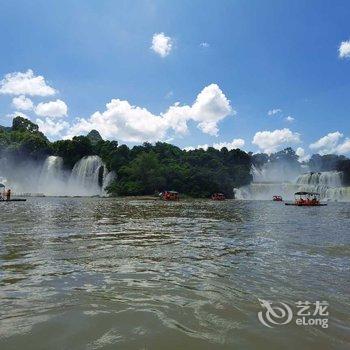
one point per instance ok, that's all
(274, 314)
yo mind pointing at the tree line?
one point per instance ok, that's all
(148, 168)
(140, 170)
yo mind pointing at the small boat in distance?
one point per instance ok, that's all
(307, 199)
(277, 199)
(170, 196)
(218, 197)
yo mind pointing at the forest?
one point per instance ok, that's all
(149, 168)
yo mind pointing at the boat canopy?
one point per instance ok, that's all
(2, 185)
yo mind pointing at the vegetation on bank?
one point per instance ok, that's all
(145, 169)
(141, 170)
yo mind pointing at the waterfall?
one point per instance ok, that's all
(326, 178)
(85, 176)
(89, 177)
(327, 183)
(107, 180)
(264, 191)
(319, 182)
(338, 194)
(52, 177)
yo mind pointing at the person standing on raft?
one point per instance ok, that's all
(8, 194)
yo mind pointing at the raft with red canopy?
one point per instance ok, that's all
(307, 199)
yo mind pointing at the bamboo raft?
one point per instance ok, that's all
(13, 200)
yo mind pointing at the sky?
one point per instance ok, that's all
(258, 75)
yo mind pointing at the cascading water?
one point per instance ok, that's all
(89, 177)
(107, 180)
(52, 177)
(320, 182)
(272, 179)
(85, 174)
(326, 178)
(328, 184)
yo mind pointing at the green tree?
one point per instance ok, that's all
(144, 175)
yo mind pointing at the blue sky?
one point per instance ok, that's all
(257, 56)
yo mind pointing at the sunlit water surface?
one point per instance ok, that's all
(94, 273)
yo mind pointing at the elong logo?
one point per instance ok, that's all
(274, 315)
(277, 314)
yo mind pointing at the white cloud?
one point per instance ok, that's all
(303, 157)
(290, 119)
(210, 107)
(274, 111)
(331, 143)
(271, 141)
(52, 109)
(161, 44)
(17, 114)
(327, 144)
(192, 148)
(26, 83)
(23, 103)
(344, 147)
(51, 128)
(123, 121)
(344, 49)
(234, 144)
(204, 45)
(130, 123)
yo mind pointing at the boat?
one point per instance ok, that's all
(277, 199)
(170, 195)
(218, 197)
(307, 199)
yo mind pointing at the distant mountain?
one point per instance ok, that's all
(94, 136)
(5, 128)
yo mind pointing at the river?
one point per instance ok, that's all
(90, 273)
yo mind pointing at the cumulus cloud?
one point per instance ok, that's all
(26, 83)
(52, 109)
(234, 144)
(123, 121)
(192, 148)
(344, 147)
(274, 111)
(271, 141)
(327, 144)
(51, 128)
(130, 123)
(17, 114)
(303, 157)
(344, 49)
(204, 45)
(23, 103)
(331, 143)
(161, 44)
(290, 119)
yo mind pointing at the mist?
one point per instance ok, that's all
(88, 177)
(284, 177)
